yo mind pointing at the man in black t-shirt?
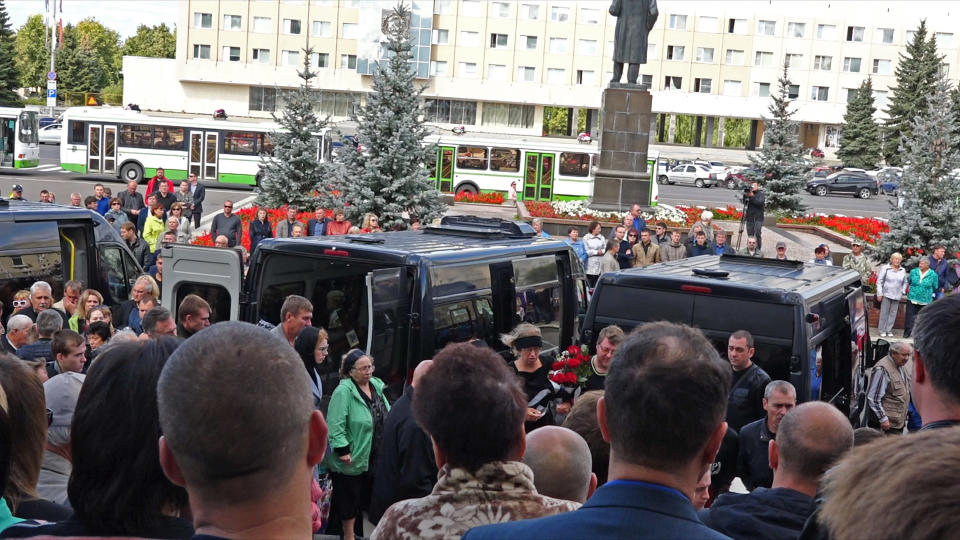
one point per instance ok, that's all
(745, 404)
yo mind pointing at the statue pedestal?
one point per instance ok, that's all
(622, 177)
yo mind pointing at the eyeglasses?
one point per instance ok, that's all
(632, 235)
(21, 303)
(323, 349)
(365, 368)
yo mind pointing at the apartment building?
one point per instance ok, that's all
(494, 65)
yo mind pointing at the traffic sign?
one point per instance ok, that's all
(51, 84)
(51, 75)
(52, 93)
(92, 101)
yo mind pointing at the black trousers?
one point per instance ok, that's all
(755, 229)
(196, 219)
(912, 311)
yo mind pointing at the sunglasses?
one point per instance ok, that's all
(21, 303)
(228, 206)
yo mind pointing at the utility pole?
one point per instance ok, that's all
(51, 79)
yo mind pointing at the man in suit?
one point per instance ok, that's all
(285, 227)
(18, 333)
(199, 194)
(317, 226)
(662, 370)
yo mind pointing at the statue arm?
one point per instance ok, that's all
(653, 13)
(616, 7)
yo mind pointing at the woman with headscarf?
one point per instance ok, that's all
(311, 344)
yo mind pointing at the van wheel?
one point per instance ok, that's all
(131, 172)
(864, 193)
(822, 191)
(467, 188)
(698, 182)
(662, 179)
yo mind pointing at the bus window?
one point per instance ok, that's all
(78, 132)
(168, 138)
(505, 159)
(265, 143)
(574, 164)
(240, 142)
(137, 136)
(28, 128)
(472, 157)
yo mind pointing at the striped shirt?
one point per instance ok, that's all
(878, 388)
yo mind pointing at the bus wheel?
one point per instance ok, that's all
(131, 171)
(258, 179)
(467, 188)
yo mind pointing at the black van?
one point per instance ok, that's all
(794, 310)
(52, 243)
(399, 295)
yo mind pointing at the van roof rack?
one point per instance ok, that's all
(481, 227)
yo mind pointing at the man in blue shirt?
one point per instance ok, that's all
(103, 202)
(938, 263)
(720, 245)
(638, 222)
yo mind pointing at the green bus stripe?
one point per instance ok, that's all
(74, 167)
(171, 174)
(25, 163)
(229, 178)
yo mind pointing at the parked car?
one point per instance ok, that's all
(844, 182)
(50, 134)
(697, 175)
(716, 167)
(740, 178)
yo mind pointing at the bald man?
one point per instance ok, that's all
(810, 439)
(406, 468)
(561, 464)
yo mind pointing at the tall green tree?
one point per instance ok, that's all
(955, 104)
(929, 209)
(9, 79)
(151, 41)
(781, 160)
(860, 142)
(388, 177)
(916, 73)
(32, 58)
(105, 43)
(293, 173)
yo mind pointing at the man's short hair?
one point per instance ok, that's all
(583, 420)
(48, 322)
(147, 299)
(936, 339)
(37, 285)
(720, 233)
(191, 305)
(866, 435)
(153, 317)
(611, 245)
(560, 461)
(743, 334)
(63, 341)
(235, 408)
(128, 226)
(613, 333)
(19, 322)
(662, 224)
(811, 438)
(100, 329)
(783, 387)
(73, 285)
(293, 305)
(89, 199)
(701, 233)
(665, 370)
(491, 428)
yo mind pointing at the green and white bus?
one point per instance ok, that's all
(19, 138)
(541, 169)
(132, 145)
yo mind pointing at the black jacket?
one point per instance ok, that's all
(122, 314)
(767, 514)
(746, 397)
(29, 312)
(755, 206)
(38, 349)
(199, 194)
(725, 470)
(6, 346)
(406, 468)
(258, 231)
(140, 251)
(312, 224)
(753, 465)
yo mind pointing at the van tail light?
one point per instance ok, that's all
(697, 289)
(336, 252)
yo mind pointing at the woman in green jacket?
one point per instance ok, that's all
(355, 418)
(923, 283)
(88, 300)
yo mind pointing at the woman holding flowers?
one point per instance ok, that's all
(526, 342)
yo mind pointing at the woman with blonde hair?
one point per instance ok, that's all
(21, 300)
(891, 286)
(371, 223)
(179, 211)
(526, 342)
(89, 299)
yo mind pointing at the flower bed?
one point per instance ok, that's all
(490, 197)
(692, 213)
(578, 211)
(866, 229)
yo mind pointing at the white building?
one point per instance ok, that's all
(495, 65)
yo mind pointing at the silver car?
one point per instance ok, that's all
(696, 175)
(50, 134)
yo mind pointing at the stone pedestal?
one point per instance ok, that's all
(622, 178)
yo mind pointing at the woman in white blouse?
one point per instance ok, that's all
(891, 285)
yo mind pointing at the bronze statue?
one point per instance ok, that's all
(635, 19)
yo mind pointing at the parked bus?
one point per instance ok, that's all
(19, 138)
(133, 144)
(543, 169)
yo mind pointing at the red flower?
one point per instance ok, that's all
(573, 350)
(572, 377)
(559, 378)
(574, 362)
(557, 366)
(491, 197)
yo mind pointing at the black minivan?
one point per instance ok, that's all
(795, 311)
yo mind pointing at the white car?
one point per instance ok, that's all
(50, 134)
(716, 167)
(697, 175)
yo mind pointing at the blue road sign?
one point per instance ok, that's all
(51, 92)
(52, 75)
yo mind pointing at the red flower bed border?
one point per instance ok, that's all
(489, 197)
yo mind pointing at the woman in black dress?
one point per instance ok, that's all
(259, 229)
(526, 342)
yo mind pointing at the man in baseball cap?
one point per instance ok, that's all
(781, 250)
(61, 393)
(16, 194)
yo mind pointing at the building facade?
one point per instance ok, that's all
(494, 66)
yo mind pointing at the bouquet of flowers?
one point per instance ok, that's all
(572, 366)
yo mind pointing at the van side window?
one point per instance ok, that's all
(539, 296)
(271, 300)
(120, 272)
(18, 272)
(74, 245)
(463, 320)
(215, 295)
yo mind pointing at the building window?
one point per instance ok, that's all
(470, 8)
(880, 99)
(320, 60)
(763, 59)
(672, 83)
(910, 34)
(585, 77)
(766, 28)
(736, 26)
(441, 36)
(529, 42)
(559, 14)
(263, 98)
(944, 40)
(678, 22)
(826, 32)
(447, 111)
(822, 63)
(527, 73)
(322, 29)
(442, 7)
(500, 9)
(469, 39)
(590, 16)
(944, 69)
(587, 47)
(851, 94)
(761, 89)
(851, 65)
(645, 80)
(261, 56)
(702, 86)
(735, 57)
(793, 91)
(338, 103)
(350, 31)
(881, 67)
(290, 58)
(496, 72)
(707, 24)
(705, 55)
(530, 11)
(819, 93)
(348, 61)
(556, 76)
(202, 20)
(508, 115)
(291, 27)
(675, 52)
(884, 35)
(651, 50)
(854, 33)
(438, 68)
(201, 52)
(732, 88)
(232, 22)
(796, 29)
(558, 45)
(498, 41)
(467, 69)
(230, 54)
(793, 60)
(261, 25)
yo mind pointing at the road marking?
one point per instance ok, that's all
(49, 168)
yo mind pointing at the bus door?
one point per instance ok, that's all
(443, 171)
(8, 137)
(538, 178)
(204, 154)
(102, 149)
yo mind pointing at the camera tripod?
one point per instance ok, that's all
(743, 222)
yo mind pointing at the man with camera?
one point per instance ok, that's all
(753, 203)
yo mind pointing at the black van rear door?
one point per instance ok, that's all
(388, 316)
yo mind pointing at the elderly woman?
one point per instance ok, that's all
(705, 223)
(339, 225)
(371, 223)
(525, 342)
(595, 245)
(891, 286)
(89, 299)
(355, 418)
(179, 210)
(115, 215)
(923, 283)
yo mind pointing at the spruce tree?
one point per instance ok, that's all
(9, 76)
(929, 210)
(860, 142)
(293, 173)
(916, 74)
(781, 161)
(388, 177)
(955, 104)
